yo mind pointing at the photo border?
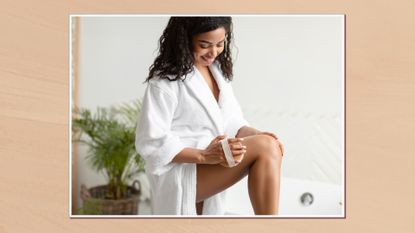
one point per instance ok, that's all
(71, 98)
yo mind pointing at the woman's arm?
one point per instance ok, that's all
(213, 154)
(189, 155)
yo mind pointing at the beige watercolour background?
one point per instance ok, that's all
(34, 114)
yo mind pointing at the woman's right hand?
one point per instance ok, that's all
(213, 154)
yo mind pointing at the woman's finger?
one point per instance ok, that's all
(276, 137)
(282, 148)
(238, 152)
(269, 134)
(218, 138)
(234, 140)
(272, 135)
(237, 146)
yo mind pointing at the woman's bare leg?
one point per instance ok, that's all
(262, 164)
(264, 181)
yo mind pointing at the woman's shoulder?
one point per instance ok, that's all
(170, 81)
(165, 84)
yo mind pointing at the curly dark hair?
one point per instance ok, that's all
(175, 55)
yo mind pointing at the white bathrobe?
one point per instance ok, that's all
(176, 115)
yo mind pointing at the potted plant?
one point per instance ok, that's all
(109, 134)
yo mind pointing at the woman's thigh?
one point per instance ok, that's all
(212, 179)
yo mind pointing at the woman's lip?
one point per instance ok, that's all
(209, 60)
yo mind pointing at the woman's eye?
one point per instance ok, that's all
(204, 46)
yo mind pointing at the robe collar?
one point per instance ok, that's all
(203, 94)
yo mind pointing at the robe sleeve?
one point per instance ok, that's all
(154, 141)
(237, 119)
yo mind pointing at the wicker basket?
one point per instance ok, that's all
(125, 206)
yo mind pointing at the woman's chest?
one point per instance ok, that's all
(211, 83)
(200, 106)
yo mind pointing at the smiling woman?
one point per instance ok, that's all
(189, 41)
(189, 111)
(207, 46)
(288, 78)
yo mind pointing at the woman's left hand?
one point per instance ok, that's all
(246, 131)
(269, 134)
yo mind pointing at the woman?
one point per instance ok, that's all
(188, 108)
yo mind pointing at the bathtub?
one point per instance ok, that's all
(298, 198)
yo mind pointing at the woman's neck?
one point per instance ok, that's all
(202, 67)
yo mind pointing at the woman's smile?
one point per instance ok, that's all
(208, 60)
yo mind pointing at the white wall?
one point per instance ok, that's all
(288, 78)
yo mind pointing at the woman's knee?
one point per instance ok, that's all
(268, 147)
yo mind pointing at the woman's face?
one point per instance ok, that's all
(208, 45)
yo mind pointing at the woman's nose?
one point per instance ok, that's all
(213, 51)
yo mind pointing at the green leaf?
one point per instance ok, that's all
(109, 134)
